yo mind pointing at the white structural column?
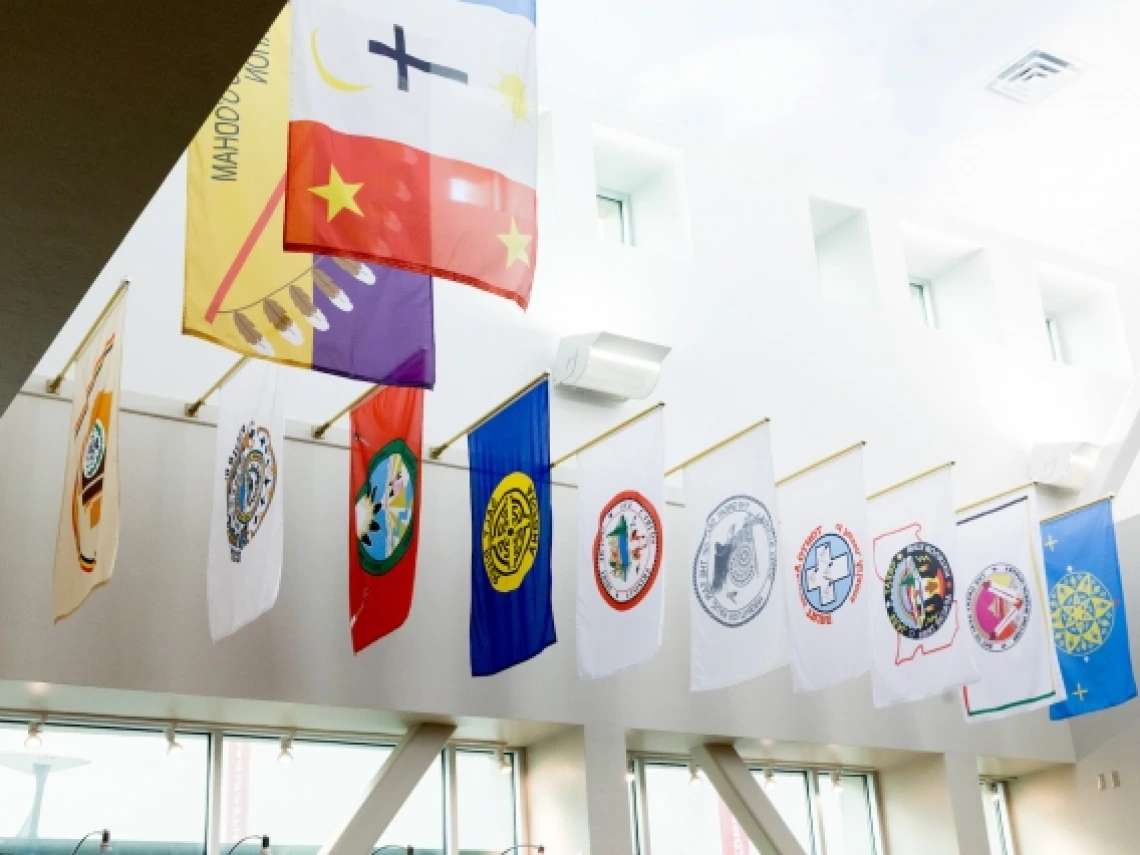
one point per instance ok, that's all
(742, 795)
(966, 803)
(388, 791)
(607, 791)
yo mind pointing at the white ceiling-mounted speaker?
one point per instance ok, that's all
(1063, 465)
(609, 365)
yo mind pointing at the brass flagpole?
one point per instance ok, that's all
(1026, 486)
(192, 409)
(320, 430)
(607, 434)
(53, 385)
(1080, 507)
(717, 446)
(436, 450)
(805, 470)
(909, 480)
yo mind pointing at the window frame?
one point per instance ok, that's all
(1053, 332)
(925, 289)
(639, 800)
(625, 202)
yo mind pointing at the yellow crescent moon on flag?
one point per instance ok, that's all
(327, 76)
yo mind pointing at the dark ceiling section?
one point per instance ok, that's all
(98, 100)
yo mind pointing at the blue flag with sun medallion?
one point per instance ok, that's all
(1086, 606)
(512, 618)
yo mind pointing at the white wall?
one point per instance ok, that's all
(917, 813)
(846, 267)
(556, 793)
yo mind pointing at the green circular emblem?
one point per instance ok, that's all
(384, 512)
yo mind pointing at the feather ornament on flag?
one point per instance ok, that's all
(309, 312)
(331, 290)
(281, 321)
(360, 272)
(252, 335)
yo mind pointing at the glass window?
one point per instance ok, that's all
(613, 218)
(86, 778)
(997, 818)
(485, 798)
(1053, 330)
(922, 301)
(685, 817)
(847, 814)
(300, 804)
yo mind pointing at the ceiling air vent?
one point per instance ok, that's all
(1034, 77)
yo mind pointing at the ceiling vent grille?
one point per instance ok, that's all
(1034, 77)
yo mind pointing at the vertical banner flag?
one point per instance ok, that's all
(738, 626)
(244, 292)
(88, 535)
(384, 512)
(823, 517)
(621, 506)
(413, 137)
(1003, 587)
(512, 618)
(247, 529)
(1086, 602)
(918, 632)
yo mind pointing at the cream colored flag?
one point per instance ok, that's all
(89, 519)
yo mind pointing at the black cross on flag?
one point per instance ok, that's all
(405, 60)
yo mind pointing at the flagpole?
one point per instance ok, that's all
(192, 409)
(989, 499)
(320, 430)
(607, 434)
(910, 480)
(435, 451)
(717, 446)
(1080, 507)
(820, 463)
(53, 385)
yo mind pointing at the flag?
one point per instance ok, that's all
(244, 292)
(738, 626)
(512, 618)
(413, 137)
(88, 534)
(827, 589)
(621, 505)
(247, 529)
(1086, 605)
(1003, 591)
(384, 495)
(919, 643)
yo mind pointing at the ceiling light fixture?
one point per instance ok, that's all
(34, 740)
(995, 792)
(173, 746)
(836, 782)
(694, 775)
(770, 782)
(630, 772)
(286, 755)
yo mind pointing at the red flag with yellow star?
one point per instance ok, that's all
(413, 137)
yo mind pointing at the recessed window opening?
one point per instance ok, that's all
(615, 218)
(922, 301)
(1053, 330)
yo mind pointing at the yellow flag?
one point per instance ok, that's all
(241, 288)
(89, 519)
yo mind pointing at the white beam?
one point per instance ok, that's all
(607, 791)
(743, 796)
(1118, 450)
(966, 802)
(748, 803)
(388, 791)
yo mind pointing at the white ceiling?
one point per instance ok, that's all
(888, 94)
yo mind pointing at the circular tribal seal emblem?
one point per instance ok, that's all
(998, 604)
(251, 481)
(1084, 613)
(627, 550)
(511, 530)
(385, 508)
(95, 450)
(829, 572)
(919, 590)
(735, 565)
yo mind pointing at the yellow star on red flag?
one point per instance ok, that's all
(516, 244)
(339, 194)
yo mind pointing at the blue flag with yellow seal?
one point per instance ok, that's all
(512, 618)
(1086, 606)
